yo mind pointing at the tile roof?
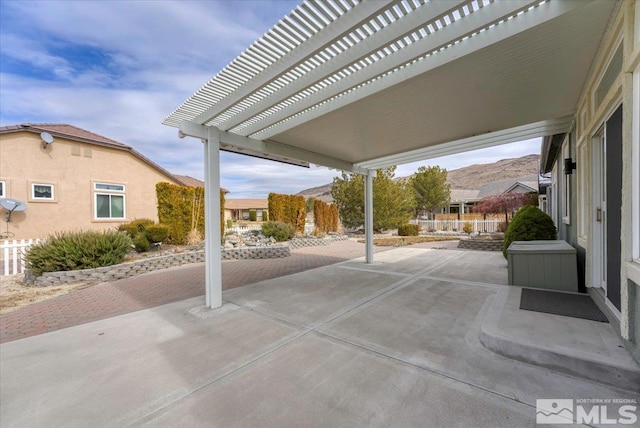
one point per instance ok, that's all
(65, 130)
(190, 181)
(193, 182)
(78, 134)
(246, 204)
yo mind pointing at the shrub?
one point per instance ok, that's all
(408, 229)
(253, 216)
(467, 228)
(529, 224)
(265, 215)
(78, 250)
(137, 225)
(141, 242)
(278, 230)
(229, 223)
(157, 232)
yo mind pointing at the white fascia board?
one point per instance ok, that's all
(393, 31)
(309, 47)
(514, 26)
(238, 143)
(511, 135)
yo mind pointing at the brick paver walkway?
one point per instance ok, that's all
(161, 287)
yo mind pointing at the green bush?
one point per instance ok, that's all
(157, 232)
(253, 216)
(467, 228)
(278, 230)
(137, 225)
(141, 242)
(78, 250)
(408, 230)
(529, 224)
(229, 223)
(147, 229)
(265, 215)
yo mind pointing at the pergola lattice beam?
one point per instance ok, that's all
(238, 143)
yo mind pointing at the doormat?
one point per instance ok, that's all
(565, 304)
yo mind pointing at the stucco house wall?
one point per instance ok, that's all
(72, 167)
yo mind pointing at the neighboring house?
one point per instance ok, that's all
(463, 200)
(238, 209)
(594, 192)
(79, 181)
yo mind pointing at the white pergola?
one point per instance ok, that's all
(360, 85)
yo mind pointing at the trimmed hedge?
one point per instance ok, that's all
(78, 250)
(529, 224)
(290, 209)
(182, 209)
(408, 229)
(278, 230)
(325, 217)
(253, 215)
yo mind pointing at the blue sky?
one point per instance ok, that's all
(118, 68)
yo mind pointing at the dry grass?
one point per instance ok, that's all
(399, 241)
(15, 295)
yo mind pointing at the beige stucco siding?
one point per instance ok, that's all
(72, 167)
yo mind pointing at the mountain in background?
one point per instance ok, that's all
(468, 177)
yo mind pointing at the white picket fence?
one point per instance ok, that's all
(482, 226)
(12, 255)
(243, 229)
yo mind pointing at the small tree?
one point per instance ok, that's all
(393, 201)
(431, 189)
(507, 203)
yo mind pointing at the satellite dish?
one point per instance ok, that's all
(46, 139)
(11, 205)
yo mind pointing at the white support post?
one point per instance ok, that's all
(213, 255)
(368, 216)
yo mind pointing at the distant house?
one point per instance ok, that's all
(238, 209)
(463, 200)
(73, 179)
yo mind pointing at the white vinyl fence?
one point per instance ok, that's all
(482, 226)
(12, 255)
(243, 229)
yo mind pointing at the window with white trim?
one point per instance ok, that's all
(42, 192)
(109, 201)
(3, 189)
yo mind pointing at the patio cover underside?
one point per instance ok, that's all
(358, 86)
(519, 79)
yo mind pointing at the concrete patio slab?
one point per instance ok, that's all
(114, 371)
(344, 345)
(406, 260)
(313, 297)
(320, 382)
(479, 266)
